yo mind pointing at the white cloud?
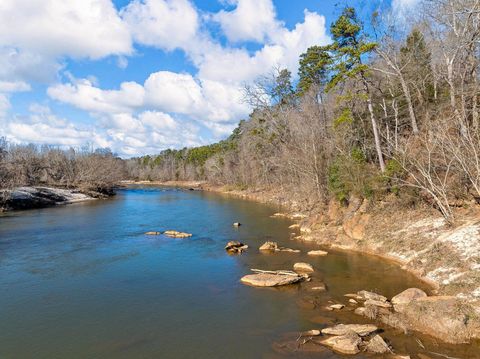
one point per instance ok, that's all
(87, 28)
(167, 24)
(14, 86)
(251, 20)
(173, 92)
(85, 95)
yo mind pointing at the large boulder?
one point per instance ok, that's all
(342, 329)
(401, 300)
(303, 267)
(344, 344)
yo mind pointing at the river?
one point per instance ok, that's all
(83, 281)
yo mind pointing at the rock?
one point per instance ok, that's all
(153, 233)
(317, 253)
(311, 333)
(319, 287)
(342, 329)
(377, 303)
(401, 357)
(335, 307)
(404, 298)
(273, 247)
(269, 246)
(303, 267)
(270, 280)
(354, 296)
(237, 224)
(38, 197)
(297, 216)
(377, 345)
(353, 301)
(294, 226)
(235, 247)
(360, 311)
(177, 234)
(371, 295)
(278, 214)
(344, 344)
(283, 249)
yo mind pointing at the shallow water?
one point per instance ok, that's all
(83, 281)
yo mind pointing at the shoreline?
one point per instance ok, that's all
(416, 240)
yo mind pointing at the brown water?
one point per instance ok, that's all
(83, 281)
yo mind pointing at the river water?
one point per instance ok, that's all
(83, 281)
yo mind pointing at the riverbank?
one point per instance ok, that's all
(417, 239)
(23, 198)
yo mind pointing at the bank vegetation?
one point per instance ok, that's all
(379, 112)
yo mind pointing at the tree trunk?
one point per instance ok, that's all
(376, 135)
(408, 97)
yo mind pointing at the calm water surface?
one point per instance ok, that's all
(83, 281)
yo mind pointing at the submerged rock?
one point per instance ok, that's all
(235, 247)
(359, 329)
(317, 253)
(335, 307)
(177, 234)
(294, 226)
(344, 344)
(303, 267)
(319, 287)
(152, 233)
(377, 345)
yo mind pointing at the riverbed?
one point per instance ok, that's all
(84, 281)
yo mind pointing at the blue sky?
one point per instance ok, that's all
(140, 76)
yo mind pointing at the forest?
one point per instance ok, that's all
(384, 110)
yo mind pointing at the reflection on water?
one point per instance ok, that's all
(83, 281)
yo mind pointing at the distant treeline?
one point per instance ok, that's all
(86, 169)
(376, 113)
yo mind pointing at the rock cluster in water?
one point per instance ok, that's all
(235, 247)
(274, 247)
